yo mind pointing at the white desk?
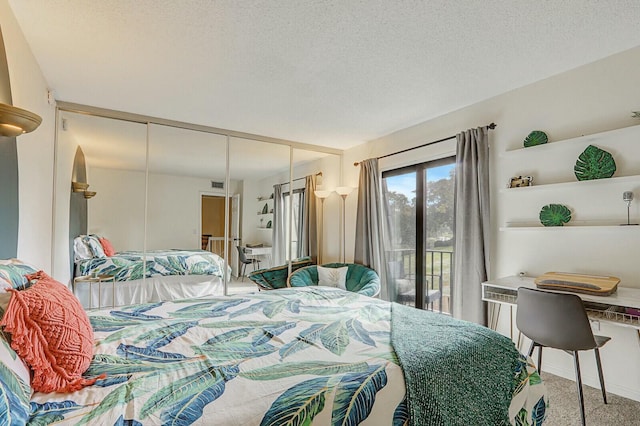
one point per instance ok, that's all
(263, 252)
(610, 309)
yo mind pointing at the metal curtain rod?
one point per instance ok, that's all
(490, 126)
(300, 178)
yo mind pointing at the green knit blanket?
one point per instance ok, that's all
(456, 372)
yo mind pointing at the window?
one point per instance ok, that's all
(419, 252)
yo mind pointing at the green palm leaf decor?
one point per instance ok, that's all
(594, 163)
(537, 137)
(555, 215)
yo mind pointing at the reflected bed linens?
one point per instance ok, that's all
(134, 265)
(168, 275)
(292, 356)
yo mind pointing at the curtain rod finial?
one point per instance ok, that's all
(492, 126)
(356, 164)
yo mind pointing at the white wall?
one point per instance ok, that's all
(591, 99)
(249, 219)
(174, 210)
(117, 211)
(35, 150)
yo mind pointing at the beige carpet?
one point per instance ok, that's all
(564, 409)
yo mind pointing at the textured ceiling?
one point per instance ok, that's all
(334, 73)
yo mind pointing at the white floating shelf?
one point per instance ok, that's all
(530, 226)
(622, 133)
(573, 184)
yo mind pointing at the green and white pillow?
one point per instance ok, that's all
(94, 244)
(15, 387)
(12, 274)
(333, 277)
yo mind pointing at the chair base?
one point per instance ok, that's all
(576, 363)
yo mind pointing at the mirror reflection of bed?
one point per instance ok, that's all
(160, 196)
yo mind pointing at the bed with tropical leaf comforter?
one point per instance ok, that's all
(134, 265)
(152, 276)
(299, 356)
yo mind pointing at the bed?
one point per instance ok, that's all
(301, 356)
(130, 277)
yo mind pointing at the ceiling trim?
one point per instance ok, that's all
(144, 119)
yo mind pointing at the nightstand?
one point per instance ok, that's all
(90, 279)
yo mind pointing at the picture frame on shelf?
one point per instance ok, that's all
(520, 181)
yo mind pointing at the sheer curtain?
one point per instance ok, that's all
(279, 247)
(308, 237)
(369, 248)
(472, 225)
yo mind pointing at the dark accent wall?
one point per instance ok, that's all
(8, 173)
(78, 204)
(8, 198)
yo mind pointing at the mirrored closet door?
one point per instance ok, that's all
(257, 172)
(187, 210)
(99, 185)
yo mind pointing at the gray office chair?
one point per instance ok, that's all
(245, 261)
(559, 320)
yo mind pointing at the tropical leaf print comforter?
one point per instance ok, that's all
(134, 265)
(300, 356)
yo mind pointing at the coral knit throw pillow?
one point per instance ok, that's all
(107, 247)
(51, 332)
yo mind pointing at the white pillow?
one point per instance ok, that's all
(81, 249)
(333, 277)
(94, 245)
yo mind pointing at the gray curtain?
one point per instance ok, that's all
(369, 248)
(279, 227)
(472, 225)
(308, 237)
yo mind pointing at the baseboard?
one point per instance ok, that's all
(593, 381)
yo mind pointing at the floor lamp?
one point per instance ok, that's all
(321, 194)
(343, 191)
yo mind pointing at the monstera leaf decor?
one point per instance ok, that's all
(537, 137)
(594, 163)
(555, 215)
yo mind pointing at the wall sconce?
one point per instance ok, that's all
(343, 191)
(13, 121)
(16, 121)
(82, 187)
(321, 194)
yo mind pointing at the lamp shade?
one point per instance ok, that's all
(344, 190)
(322, 193)
(16, 121)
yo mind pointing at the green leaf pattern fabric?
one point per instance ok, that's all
(133, 265)
(287, 357)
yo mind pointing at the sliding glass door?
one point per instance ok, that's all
(420, 206)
